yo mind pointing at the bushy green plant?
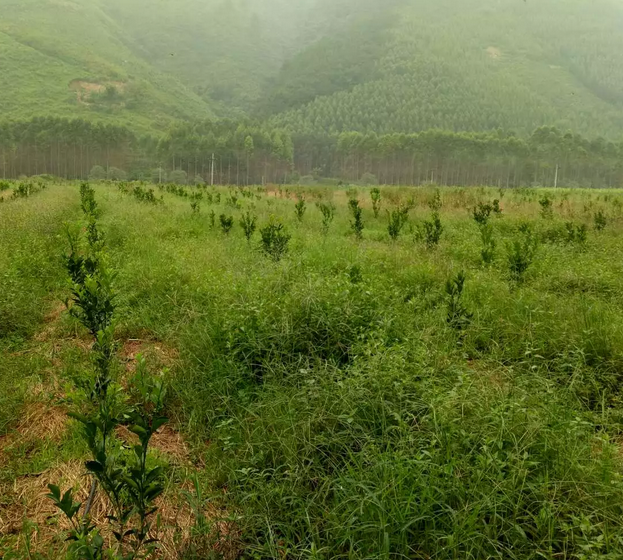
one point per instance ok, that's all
(355, 275)
(299, 209)
(97, 173)
(432, 230)
(212, 219)
(482, 213)
(356, 224)
(576, 233)
(496, 207)
(178, 177)
(547, 207)
(275, 239)
(375, 195)
(435, 202)
(600, 220)
(327, 210)
(248, 223)
(488, 244)
(23, 190)
(195, 207)
(520, 255)
(146, 195)
(397, 221)
(232, 200)
(4, 186)
(458, 316)
(130, 485)
(227, 223)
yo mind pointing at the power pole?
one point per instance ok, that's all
(556, 178)
(212, 171)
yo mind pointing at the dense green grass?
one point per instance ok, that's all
(335, 411)
(31, 277)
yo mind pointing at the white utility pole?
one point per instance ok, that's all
(212, 172)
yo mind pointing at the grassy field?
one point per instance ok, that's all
(347, 401)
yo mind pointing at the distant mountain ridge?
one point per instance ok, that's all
(318, 66)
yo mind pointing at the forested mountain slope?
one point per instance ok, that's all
(469, 65)
(68, 58)
(223, 49)
(318, 66)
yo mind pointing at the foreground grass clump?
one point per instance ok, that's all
(374, 398)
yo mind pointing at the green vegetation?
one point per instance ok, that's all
(342, 398)
(130, 484)
(317, 67)
(242, 153)
(474, 65)
(67, 59)
(218, 348)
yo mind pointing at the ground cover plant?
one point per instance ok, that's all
(327, 397)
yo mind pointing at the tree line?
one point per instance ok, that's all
(548, 157)
(247, 152)
(225, 151)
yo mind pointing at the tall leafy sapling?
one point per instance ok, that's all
(227, 223)
(397, 221)
(432, 230)
(357, 224)
(300, 208)
(521, 253)
(275, 239)
(482, 213)
(547, 207)
(375, 195)
(458, 316)
(129, 484)
(327, 209)
(600, 220)
(488, 244)
(248, 223)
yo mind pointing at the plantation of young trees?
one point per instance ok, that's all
(309, 372)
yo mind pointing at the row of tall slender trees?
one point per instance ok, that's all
(225, 152)
(229, 152)
(548, 157)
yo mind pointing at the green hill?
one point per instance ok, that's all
(68, 58)
(469, 65)
(223, 49)
(318, 66)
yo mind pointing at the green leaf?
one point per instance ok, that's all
(55, 492)
(158, 422)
